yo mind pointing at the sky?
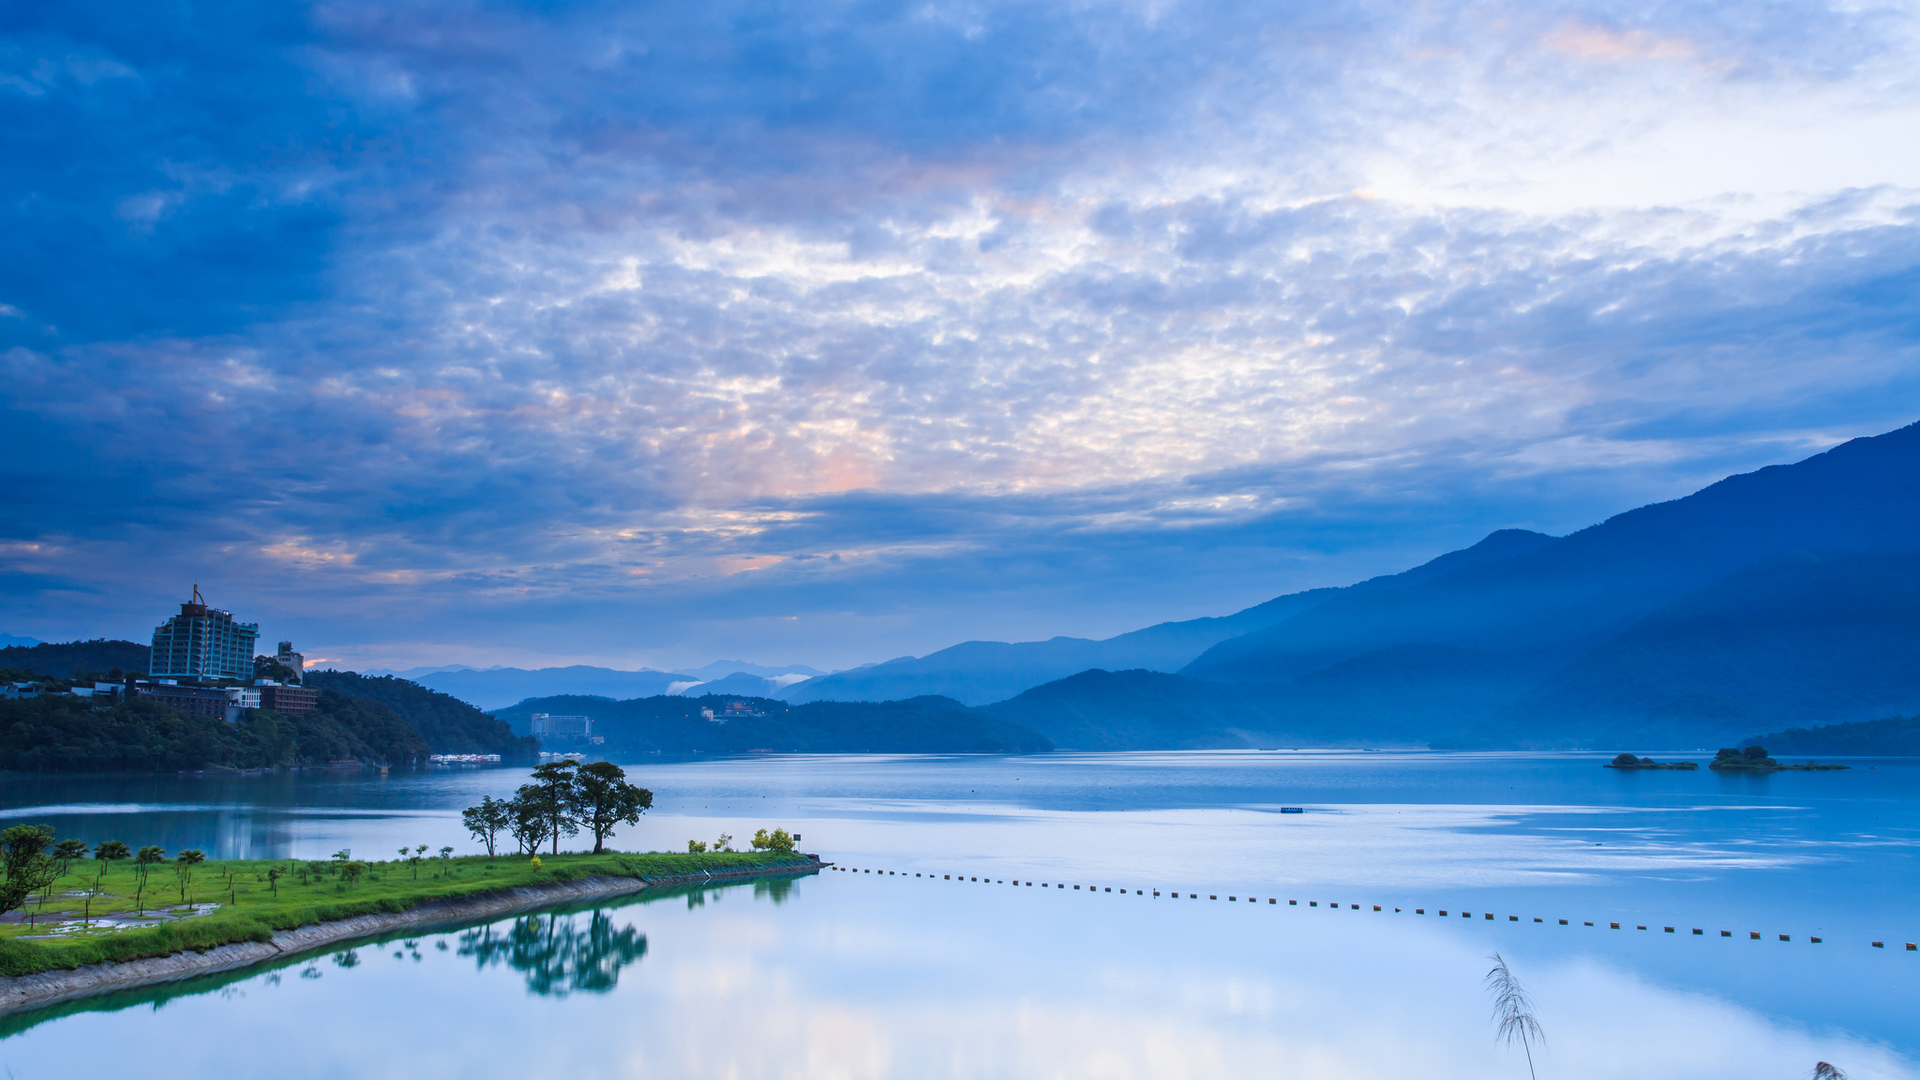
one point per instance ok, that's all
(652, 334)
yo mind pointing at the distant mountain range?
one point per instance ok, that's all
(496, 688)
(1784, 597)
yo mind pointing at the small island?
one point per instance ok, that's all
(1754, 759)
(1628, 761)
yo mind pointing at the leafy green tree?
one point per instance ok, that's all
(29, 869)
(602, 798)
(109, 852)
(778, 841)
(413, 859)
(487, 820)
(446, 852)
(527, 818)
(725, 843)
(274, 874)
(352, 871)
(557, 783)
(695, 847)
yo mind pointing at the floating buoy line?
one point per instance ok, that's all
(1176, 894)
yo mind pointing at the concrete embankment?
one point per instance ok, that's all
(25, 992)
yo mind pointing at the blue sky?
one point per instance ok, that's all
(823, 333)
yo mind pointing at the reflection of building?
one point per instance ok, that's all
(204, 643)
(562, 727)
(292, 661)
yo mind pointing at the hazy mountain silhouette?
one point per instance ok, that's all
(1790, 595)
(976, 672)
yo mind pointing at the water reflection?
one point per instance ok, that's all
(560, 954)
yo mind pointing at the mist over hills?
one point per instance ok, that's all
(980, 672)
(496, 688)
(1786, 596)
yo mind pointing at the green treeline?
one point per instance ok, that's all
(67, 734)
(449, 725)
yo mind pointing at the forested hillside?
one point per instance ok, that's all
(62, 659)
(68, 734)
(924, 725)
(449, 725)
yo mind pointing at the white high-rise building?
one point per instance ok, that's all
(203, 643)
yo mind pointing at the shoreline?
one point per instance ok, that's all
(26, 993)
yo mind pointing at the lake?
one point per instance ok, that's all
(857, 972)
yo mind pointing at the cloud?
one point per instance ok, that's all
(841, 331)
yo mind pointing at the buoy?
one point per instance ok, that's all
(1726, 933)
(1784, 937)
(1563, 922)
(1616, 926)
(1753, 935)
(1697, 931)
(1879, 944)
(1669, 929)
(1816, 941)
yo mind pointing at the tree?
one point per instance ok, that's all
(183, 866)
(556, 780)
(486, 820)
(149, 856)
(413, 860)
(351, 871)
(273, 879)
(108, 853)
(695, 847)
(603, 799)
(527, 818)
(23, 854)
(779, 841)
(1513, 1008)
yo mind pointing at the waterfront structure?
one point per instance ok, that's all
(287, 699)
(203, 642)
(562, 727)
(214, 703)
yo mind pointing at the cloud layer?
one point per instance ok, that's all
(647, 334)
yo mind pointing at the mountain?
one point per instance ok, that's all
(1894, 736)
(978, 672)
(674, 724)
(496, 688)
(1786, 595)
(446, 724)
(9, 640)
(60, 660)
(740, 682)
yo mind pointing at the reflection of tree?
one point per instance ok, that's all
(561, 954)
(775, 890)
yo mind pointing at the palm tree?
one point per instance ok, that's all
(1824, 1071)
(1513, 1008)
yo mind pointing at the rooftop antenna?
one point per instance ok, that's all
(196, 595)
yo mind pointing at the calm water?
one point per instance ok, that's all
(858, 975)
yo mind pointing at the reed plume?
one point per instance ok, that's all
(1513, 1010)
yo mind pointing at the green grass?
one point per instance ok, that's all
(250, 911)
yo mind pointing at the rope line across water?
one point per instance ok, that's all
(1487, 916)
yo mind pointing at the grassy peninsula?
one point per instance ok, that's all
(86, 917)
